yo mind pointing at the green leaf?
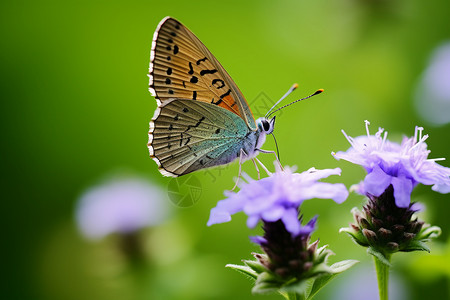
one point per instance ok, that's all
(255, 266)
(337, 268)
(322, 254)
(300, 287)
(320, 269)
(416, 246)
(247, 271)
(379, 255)
(357, 237)
(322, 249)
(265, 284)
(342, 266)
(430, 232)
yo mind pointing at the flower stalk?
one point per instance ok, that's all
(382, 277)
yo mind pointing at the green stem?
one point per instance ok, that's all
(382, 277)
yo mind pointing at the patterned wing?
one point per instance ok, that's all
(188, 135)
(181, 67)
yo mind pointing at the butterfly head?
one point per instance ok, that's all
(266, 125)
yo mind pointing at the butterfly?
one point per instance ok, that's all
(202, 119)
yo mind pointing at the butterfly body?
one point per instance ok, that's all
(202, 119)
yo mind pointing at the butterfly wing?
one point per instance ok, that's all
(181, 67)
(188, 135)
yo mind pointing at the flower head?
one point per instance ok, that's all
(401, 165)
(278, 197)
(120, 205)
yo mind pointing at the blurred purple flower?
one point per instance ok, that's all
(401, 165)
(432, 97)
(122, 206)
(278, 197)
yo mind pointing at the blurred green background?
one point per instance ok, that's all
(76, 107)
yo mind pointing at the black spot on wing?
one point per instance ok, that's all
(221, 97)
(194, 79)
(216, 103)
(204, 72)
(194, 95)
(169, 71)
(201, 60)
(199, 121)
(191, 69)
(225, 94)
(220, 83)
(175, 49)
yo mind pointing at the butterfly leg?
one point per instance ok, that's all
(241, 161)
(264, 168)
(266, 151)
(256, 167)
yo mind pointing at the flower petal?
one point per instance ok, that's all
(377, 181)
(441, 188)
(309, 227)
(323, 190)
(218, 216)
(273, 214)
(402, 191)
(252, 221)
(314, 174)
(384, 160)
(258, 240)
(291, 221)
(278, 197)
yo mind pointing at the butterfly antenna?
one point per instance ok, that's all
(293, 87)
(315, 93)
(276, 145)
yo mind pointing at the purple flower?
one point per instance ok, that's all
(432, 96)
(401, 165)
(278, 197)
(122, 206)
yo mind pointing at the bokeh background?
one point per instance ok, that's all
(75, 113)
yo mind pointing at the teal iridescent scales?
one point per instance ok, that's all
(202, 119)
(204, 135)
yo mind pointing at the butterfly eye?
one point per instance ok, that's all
(266, 125)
